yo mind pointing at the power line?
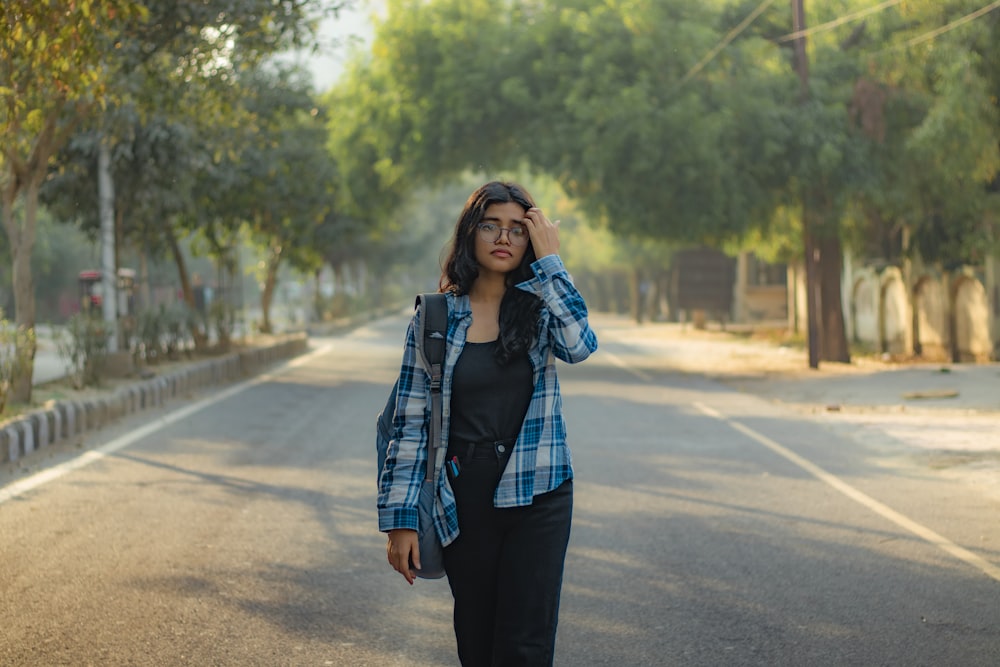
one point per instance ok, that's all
(885, 5)
(927, 36)
(726, 40)
(762, 7)
(830, 25)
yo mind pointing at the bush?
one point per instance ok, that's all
(16, 348)
(149, 336)
(178, 321)
(161, 332)
(222, 318)
(84, 346)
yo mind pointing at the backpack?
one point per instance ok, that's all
(430, 339)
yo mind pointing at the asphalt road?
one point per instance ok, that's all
(711, 528)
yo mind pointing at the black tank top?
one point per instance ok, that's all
(488, 401)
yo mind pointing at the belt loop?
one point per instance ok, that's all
(469, 451)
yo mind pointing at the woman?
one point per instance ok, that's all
(506, 500)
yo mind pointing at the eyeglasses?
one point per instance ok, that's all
(491, 233)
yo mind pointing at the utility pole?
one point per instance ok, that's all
(109, 273)
(811, 248)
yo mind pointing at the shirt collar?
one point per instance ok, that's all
(461, 306)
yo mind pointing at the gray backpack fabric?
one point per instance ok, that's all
(431, 341)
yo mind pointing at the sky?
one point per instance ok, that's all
(337, 34)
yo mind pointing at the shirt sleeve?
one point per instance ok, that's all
(569, 330)
(406, 457)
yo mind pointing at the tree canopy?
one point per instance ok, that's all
(63, 66)
(666, 122)
(698, 123)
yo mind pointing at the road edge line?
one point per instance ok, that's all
(886, 512)
(43, 477)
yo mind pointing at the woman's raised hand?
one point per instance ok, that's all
(544, 234)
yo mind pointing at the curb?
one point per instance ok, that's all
(66, 419)
(345, 324)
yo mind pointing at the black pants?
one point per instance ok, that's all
(505, 568)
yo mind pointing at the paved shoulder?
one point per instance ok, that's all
(940, 416)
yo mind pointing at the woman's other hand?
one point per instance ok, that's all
(543, 233)
(402, 550)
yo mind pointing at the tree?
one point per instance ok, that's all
(284, 176)
(369, 137)
(52, 74)
(585, 92)
(666, 143)
(175, 116)
(931, 107)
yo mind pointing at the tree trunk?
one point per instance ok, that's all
(318, 295)
(814, 311)
(635, 295)
(834, 333)
(144, 300)
(197, 334)
(267, 296)
(22, 243)
(25, 176)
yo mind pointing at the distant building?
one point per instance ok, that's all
(744, 289)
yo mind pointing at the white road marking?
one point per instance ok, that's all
(834, 482)
(854, 494)
(620, 363)
(94, 455)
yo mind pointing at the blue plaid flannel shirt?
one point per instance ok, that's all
(541, 459)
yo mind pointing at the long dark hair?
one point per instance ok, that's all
(519, 310)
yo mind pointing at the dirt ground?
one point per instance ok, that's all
(769, 363)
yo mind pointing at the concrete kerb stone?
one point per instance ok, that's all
(145, 396)
(69, 420)
(95, 419)
(116, 406)
(111, 409)
(90, 415)
(79, 417)
(103, 410)
(40, 425)
(27, 436)
(247, 363)
(11, 443)
(148, 390)
(57, 424)
(72, 419)
(153, 387)
(28, 442)
(19, 438)
(130, 398)
(66, 419)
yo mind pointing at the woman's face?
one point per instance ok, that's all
(503, 253)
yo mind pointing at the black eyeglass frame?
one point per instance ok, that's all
(516, 236)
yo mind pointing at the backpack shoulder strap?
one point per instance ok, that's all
(431, 340)
(433, 329)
